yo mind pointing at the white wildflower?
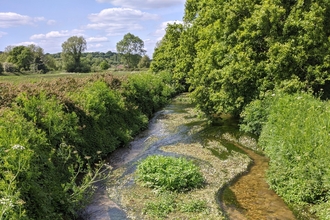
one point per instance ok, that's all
(6, 202)
(18, 147)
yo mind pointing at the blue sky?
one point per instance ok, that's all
(101, 22)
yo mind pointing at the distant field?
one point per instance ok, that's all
(34, 77)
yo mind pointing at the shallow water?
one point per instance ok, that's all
(254, 199)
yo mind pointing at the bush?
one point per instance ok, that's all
(104, 65)
(169, 173)
(48, 114)
(52, 133)
(105, 120)
(296, 138)
(254, 115)
(149, 92)
(38, 180)
(9, 67)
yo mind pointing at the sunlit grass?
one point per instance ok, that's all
(35, 77)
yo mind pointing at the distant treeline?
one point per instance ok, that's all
(73, 57)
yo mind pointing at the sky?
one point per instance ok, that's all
(103, 23)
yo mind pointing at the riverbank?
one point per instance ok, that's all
(179, 131)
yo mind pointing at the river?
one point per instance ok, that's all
(223, 153)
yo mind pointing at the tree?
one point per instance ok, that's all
(71, 53)
(131, 49)
(38, 64)
(242, 49)
(21, 56)
(104, 65)
(164, 57)
(144, 62)
(1, 68)
(50, 62)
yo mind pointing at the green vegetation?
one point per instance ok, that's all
(25, 58)
(149, 91)
(167, 203)
(296, 137)
(31, 59)
(131, 50)
(231, 53)
(234, 56)
(162, 207)
(169, 173)
(71, 53)
(54, 133)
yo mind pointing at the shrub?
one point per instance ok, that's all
(169, 173)
(296, 138)
(105, 120)
(149, 92)
(48, 114)
(254, 115)
(9, 67)
(38, 181)
(104, 65)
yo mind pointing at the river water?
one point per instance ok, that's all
(178, 130)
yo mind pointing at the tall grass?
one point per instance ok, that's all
(296, 137)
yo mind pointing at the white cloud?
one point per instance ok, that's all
(2, 34)
(145, 4)
(11, 19)
(120, 15)
(51, 22)
(52, 34)
(92, 47)
(36, 19)
(115, 29)
(26, 43)
(160, 32)
(56, 34)
(97, 39)
(116, 21)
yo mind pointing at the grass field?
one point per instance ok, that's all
(35, 77)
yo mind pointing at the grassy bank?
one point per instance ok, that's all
(294, 132)
(54, 134)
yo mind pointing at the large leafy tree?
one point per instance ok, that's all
(164, 57)
(21, 56)
(72, 50)
(39, 60)
(131, 49)
(240, 49)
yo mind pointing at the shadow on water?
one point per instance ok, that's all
(248, 197)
